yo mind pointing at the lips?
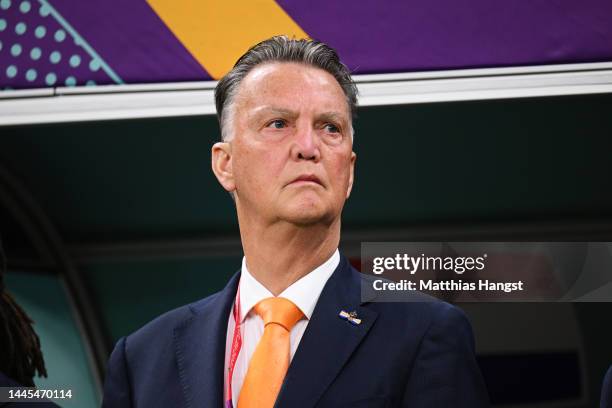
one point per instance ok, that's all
(307, 178)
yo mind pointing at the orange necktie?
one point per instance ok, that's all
(270, 360)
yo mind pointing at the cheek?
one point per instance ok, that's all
(257, 170)
(339, 172)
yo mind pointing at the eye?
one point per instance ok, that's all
(330, 127)
(277, 124)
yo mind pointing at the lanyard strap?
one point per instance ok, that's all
(235, 350)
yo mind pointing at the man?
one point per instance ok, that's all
(290, 329)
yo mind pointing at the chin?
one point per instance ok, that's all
(307, 214)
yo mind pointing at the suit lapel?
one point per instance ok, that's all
(200, 349)
(328, 341)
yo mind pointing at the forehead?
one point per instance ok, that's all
(291, 86)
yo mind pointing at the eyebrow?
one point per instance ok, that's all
(275, 111)
(332, 116)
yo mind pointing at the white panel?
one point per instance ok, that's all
(114, 102)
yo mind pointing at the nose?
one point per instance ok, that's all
(306, 144)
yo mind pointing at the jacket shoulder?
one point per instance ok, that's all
(410, 305)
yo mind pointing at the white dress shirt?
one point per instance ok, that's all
(304, 293)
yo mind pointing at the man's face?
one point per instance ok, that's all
(290, 156)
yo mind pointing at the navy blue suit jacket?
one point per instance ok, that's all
(606, 390)
(414, 354)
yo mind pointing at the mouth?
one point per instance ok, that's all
(307, 179)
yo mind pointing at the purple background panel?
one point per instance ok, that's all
(132, 40)
(374, 36)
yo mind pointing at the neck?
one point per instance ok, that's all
(278, 255)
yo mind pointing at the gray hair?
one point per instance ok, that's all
(281, 49)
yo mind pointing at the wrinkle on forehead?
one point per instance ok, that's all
(266, 84)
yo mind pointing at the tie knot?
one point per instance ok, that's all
(280, 311)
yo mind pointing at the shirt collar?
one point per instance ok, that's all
(304, 292)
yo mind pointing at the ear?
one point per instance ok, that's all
(351, 175)
(221, 160)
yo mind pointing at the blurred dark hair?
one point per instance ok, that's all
(20, 356)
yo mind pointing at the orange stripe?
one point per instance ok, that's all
(218, 32)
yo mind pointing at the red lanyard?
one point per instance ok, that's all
(235, 350)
